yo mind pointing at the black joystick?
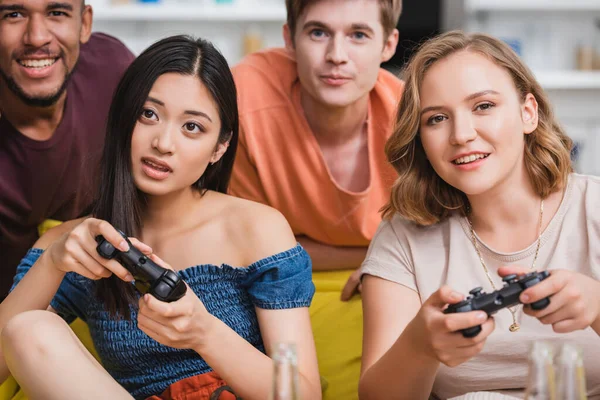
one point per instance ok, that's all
(149, 277)
(507, 296)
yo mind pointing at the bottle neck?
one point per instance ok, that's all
(571, 374)
(285, 373)
(541, 384)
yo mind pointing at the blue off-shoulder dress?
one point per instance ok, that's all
(145, 367)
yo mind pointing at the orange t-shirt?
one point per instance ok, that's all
(279, 162)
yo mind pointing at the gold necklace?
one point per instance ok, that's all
(515, 325)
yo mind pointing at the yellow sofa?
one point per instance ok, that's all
(337, 328)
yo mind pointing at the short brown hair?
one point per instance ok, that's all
(390, 13)
(422, 196)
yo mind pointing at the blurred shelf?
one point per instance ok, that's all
(532, 5)
(569, 80)
(244, 10)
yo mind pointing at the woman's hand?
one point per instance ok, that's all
(574, 299)
(439, 334)
(75, 251)
(182, 324)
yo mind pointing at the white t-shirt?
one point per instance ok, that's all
(425, 258)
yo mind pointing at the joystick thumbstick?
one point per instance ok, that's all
(476, 292)
(509, 278)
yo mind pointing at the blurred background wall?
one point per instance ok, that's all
(558, 39)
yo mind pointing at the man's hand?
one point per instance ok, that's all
(352, 287)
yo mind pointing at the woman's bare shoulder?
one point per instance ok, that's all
(264, 230)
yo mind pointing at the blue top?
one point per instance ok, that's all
(145, 367)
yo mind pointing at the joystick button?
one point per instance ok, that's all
(509, 278)
(162, 290)
(477, 291)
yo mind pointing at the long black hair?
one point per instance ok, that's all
(118, 200)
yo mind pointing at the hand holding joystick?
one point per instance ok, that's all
(505, 297)
(162, 283)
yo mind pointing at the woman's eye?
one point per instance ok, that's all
(192, 127)
(484, 106)
(149, 114)
(436, 119)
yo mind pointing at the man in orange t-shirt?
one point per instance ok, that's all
(314, 120)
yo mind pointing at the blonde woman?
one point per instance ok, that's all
(486, 189)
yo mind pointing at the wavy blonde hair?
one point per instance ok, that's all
(419, 194)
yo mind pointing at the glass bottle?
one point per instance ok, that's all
(285, 373)
(541, 382)
(570, 383)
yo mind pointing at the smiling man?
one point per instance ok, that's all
(56, 84)
(314, 119)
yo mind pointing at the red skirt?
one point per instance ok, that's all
(207, 386)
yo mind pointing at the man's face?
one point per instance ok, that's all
(339, 46)
(39, 46)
